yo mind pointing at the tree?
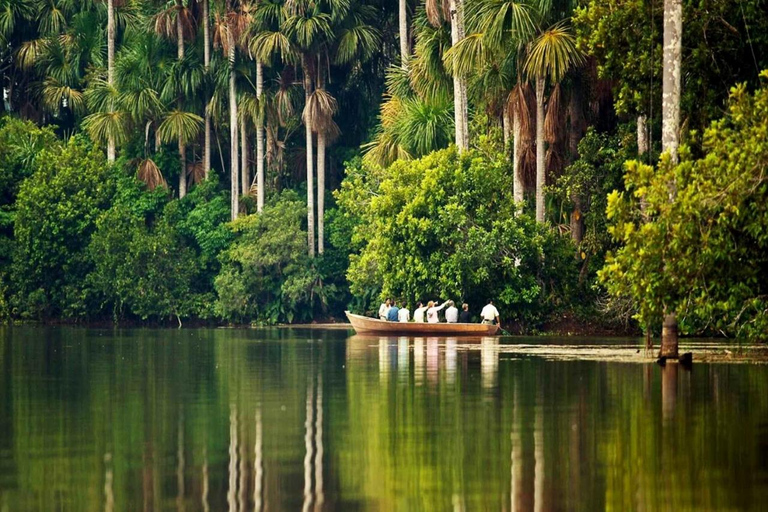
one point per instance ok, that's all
(552, 54)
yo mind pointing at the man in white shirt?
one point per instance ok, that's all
(384, 309)
(451, 313)
(403, 315)
(490, 313)
(418, 313)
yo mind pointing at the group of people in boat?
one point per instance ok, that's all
(392, 310)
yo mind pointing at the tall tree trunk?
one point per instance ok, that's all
(541, 169)
(506, 128)
(405, 51)
(642, 136)
(320, 192)
(245, 172)
(575, 134)
(459, 83)
(233, 170)
(310, 169)
(260, 138)
(207, 63)
(670, 126)
(182, 149)
(517, 171)
(111, 150)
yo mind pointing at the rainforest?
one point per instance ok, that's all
(593, 166)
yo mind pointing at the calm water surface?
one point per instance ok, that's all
(298, 419)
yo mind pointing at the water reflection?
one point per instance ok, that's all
(229, 420)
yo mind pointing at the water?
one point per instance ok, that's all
(299, 419)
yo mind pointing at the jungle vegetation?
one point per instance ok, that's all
(283, 160)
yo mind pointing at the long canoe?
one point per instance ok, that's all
(365, 325)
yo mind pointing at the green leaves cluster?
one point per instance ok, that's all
(695, 235)
(444, 226)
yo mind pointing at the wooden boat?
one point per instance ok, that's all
(365, 325)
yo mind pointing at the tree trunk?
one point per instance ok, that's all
(207, 63)
(642, 136)
(670, 99)
(320, 192)
(259, 139)
(459, 83)
(310, 170)
(575, 134)
(111, 150)
(506, 127)
(182, 148)
(405, 51)
(233, 170)
(670, 126)
(517, 172)
(245, 172)
(541, 170)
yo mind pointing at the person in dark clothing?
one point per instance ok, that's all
(465, 317)
(392, 313)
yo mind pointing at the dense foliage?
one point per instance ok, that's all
(702, 254)
(444, 227)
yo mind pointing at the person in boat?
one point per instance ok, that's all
(465, 317)
(432, 311)
(392, 313)
(403, 315)
(419, 312)
(384, 309)
(451, 313)
(489, 314)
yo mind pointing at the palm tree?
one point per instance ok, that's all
(552, 54)
(670, 128)
(111, 66)
(177, 23)
(402, 14)
(205, 19)
(453, 12)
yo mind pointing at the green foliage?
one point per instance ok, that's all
(444, 226)
(698, 245)
(57, 209)
(266, 273)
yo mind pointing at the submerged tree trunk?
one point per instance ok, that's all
(233, 171)
(541, 169)
(310, 164)
(182, 148)
(111, 150)
(459, 83)
(207, 63)
(405, 51)
(259, 138)
(670, 126)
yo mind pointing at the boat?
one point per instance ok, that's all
(366, 325)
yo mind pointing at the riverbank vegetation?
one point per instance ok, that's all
(283, 161)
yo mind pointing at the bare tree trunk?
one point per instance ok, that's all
(207, 63)
(245, 172)
(517, 172)
(233, 171)
(111, 150)
(320, 192)
(405, 51)
(541, 170)
(670, 98)
(670, 126)
(459, 83)
(182, 148)
(642, 135)
(506, 127)
(310, 169)
(259, 138)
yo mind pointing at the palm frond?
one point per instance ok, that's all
(553, 53)
(148, 172)
(319, 111)
(103, 126)
(180, 125)
(467, 56)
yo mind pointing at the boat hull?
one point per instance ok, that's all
(365, 325)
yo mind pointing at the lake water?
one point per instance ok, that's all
(291, 419)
